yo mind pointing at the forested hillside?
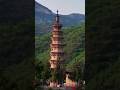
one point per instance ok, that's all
(74, 39)
(16, 44)
(102, 45)
(16, 58)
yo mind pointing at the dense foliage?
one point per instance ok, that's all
(102, 45)
(16, 44)
(17, 55)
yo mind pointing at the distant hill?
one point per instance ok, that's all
(44, 18)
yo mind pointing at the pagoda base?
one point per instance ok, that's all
(53, 84)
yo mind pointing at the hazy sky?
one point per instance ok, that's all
(65, 6)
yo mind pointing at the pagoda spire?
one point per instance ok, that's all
(56, 25)
(57, 17)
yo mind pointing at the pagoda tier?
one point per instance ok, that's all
(54, 64)
(54, 61)
(57, 26)
(56, 56)
(58, 59)
(59, 38)
(57, 42)
(57, 53)
(56, 50)
(56, 46)
(56, 39)
(57, 32)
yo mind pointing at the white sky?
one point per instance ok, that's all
(64, 6)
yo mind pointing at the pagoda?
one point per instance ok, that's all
(56, 53)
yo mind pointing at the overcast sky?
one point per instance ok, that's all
(64, 6)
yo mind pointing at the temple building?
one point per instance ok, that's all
(56, 45)
(56, 53)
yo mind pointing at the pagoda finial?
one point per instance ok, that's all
(57, 12)
(57, 17)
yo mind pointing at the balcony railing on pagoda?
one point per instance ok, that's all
(57, 53)
(54, 32)
(57, 61)
(55, 35)
(56, 45)
(57, 50)
(57, 58)
(57, 26)
(53, 62)
(57, 42)
(57, 38)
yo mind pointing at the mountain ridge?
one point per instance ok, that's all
(43, 8)
(38, 4)
(44, 18)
